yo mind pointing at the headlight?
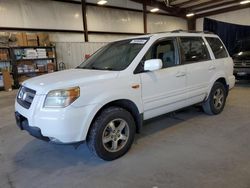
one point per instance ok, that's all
(61, 98)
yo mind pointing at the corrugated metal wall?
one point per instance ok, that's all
(72, 54)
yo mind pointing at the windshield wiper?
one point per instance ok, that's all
(95, 68)
(101, 68)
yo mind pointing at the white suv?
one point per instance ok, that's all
(105, 100)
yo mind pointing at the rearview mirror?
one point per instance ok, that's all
(153, 65)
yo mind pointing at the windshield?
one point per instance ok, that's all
(242, 46)
(115, 56)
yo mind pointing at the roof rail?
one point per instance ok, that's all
(190, 31)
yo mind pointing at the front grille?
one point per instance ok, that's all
(25, 97)
(242, 64)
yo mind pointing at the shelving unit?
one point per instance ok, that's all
(31, 61)
(5, 63)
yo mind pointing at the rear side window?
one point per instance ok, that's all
(193, 49)
(217, 47)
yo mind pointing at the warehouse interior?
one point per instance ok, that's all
(184, 148)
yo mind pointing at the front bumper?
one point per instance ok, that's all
(23, 124)
(63, 125)
(242, 73)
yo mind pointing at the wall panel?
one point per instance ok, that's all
(161, 23)
(73, 53)
(104, 19)
(106, 38)
(121, 3)
(240, 17)
(40, 14)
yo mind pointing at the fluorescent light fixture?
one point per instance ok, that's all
(190, 14)
(102, 2)
(244, 2)
(154, 10)
(76, 15)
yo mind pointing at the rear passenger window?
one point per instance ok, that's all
(217, 47)
(193, 49)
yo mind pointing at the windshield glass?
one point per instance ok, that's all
(115, 56)
(242, 46)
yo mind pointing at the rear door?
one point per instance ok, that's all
(199, 65)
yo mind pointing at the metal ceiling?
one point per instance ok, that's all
(200, 8)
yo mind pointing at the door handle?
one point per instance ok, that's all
(180, 74)
(212, 68)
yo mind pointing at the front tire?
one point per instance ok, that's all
(112, 133)
(216, 101)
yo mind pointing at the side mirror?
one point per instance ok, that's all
(153, 65)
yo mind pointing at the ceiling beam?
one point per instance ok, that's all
(223, 10)
(175, 11)
(213, 6)
(186, 3)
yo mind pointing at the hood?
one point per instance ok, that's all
(242, 56)
(68, 78)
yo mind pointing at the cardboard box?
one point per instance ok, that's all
(7, 81)
(31, 36)
(21, 39)
(50, 67)
(32, 43)
(3, 56)
(51, 54)
(32, 39)
(43, 39)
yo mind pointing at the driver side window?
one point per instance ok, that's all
(164, 50)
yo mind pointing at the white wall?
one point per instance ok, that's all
(66, 37)
(107, 38)
(121, 3)
(46, 14)
(160, 23)
(241, 17)
(73, 53)
(40, 14)
(104, 19)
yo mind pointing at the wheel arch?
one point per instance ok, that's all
(128, 105)
(222, 80)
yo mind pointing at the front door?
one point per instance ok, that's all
(163, 90)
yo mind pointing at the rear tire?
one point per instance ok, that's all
(216, 101)
(112, 133)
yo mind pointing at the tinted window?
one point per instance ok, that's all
(217, 47)
(115, 56)
(164, 50)
(193, 49)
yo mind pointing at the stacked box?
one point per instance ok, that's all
(32, 39)
(41, 53)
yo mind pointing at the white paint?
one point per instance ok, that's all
(161, 91)
(241, 17)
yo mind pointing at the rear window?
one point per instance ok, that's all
(217, 47)
(194, 49)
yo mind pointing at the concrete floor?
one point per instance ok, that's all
(185, 150)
